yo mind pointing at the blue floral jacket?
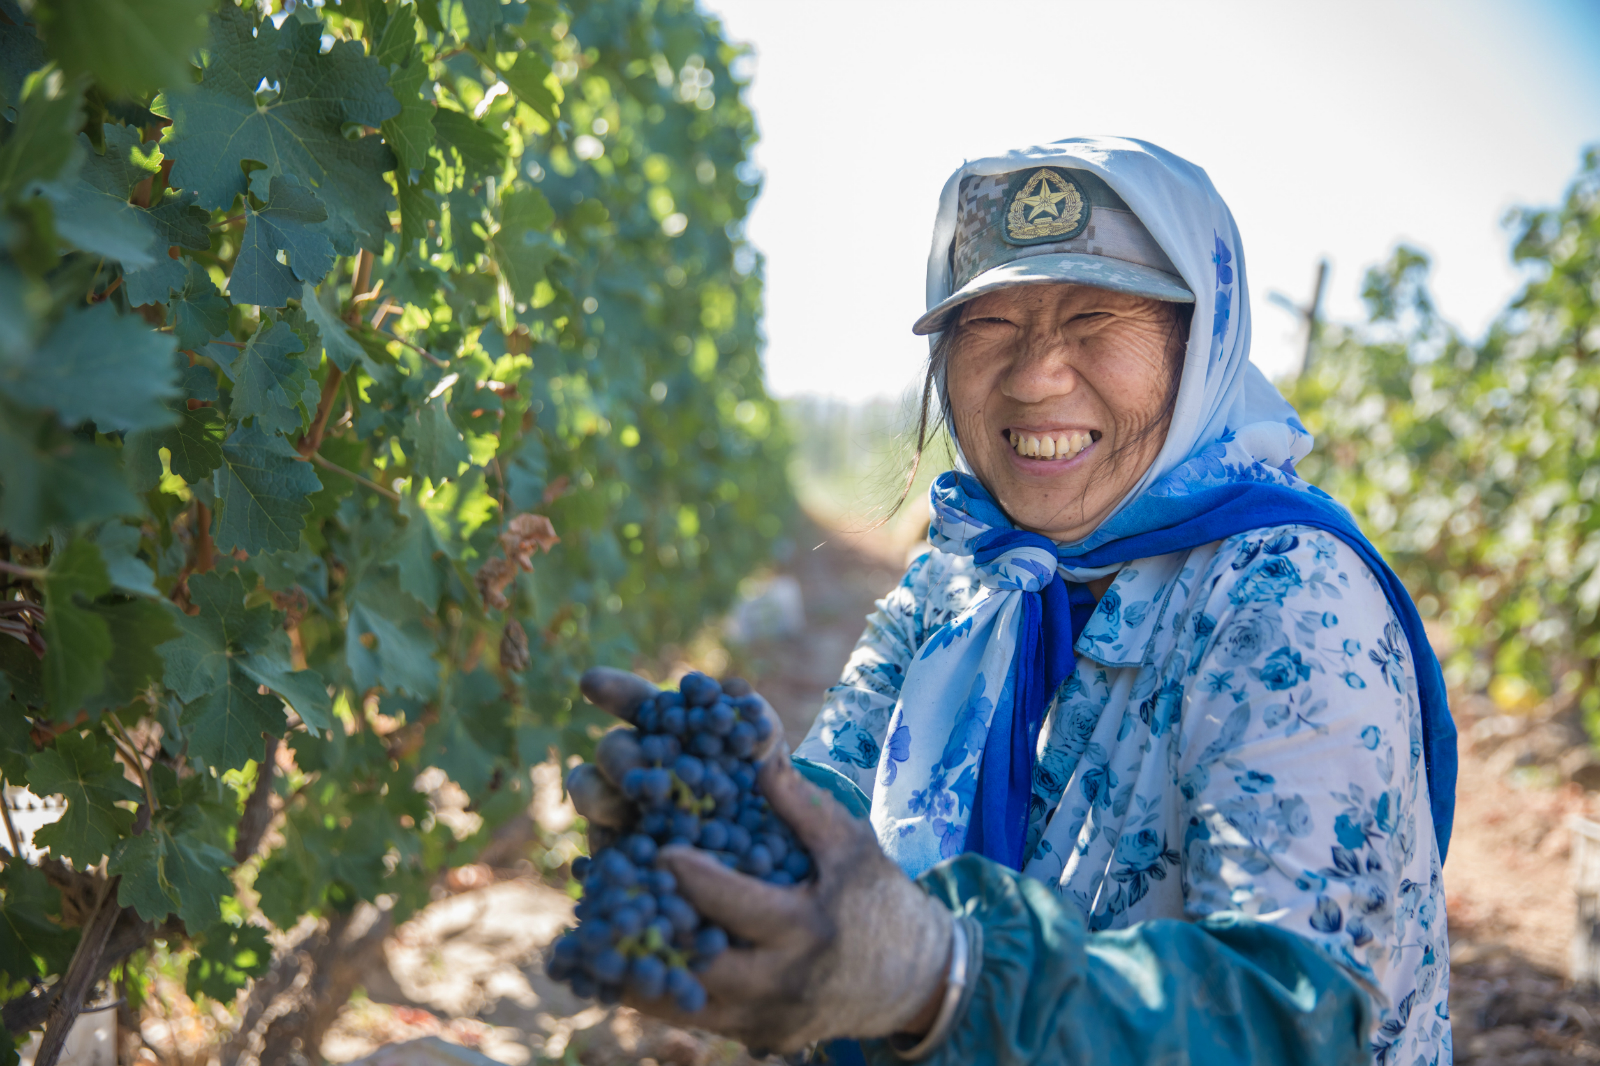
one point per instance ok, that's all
(1241, 739)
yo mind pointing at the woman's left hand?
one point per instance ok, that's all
(860, 951)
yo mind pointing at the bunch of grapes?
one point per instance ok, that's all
(693, 782)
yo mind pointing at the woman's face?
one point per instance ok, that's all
(1059, 397)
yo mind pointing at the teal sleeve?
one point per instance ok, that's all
(841, 787)
(1225, 990)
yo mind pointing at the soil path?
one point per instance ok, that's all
(468, 969)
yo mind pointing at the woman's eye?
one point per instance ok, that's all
(1090, 315)
(988, 320)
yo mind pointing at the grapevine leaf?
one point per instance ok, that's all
(228, 959)
(482, 150)
(21, 53)
(384, 647)
(415, 556)
(154, 283)
(304, 690)
(129, 46)
(119, 547)
(336, 339)
(42, 145)
(24, 679)
(194, 444)
(163, 873)
(225, 726)
(410, 133)
(520, 246)
(198, 310)
(98, 366)
(197, 661)
(287, 225)
(484, 17)
(179, 220)
(473, 732)
(137, 627)
(299, 133)
(528, 77)
(438, 450)
(417, 209)
(398, 42)
(262, 487)
(269, 384)
(77, 640)
(92, 209)
(29, 924)
(54, 480)
(527, 473)
(91, 780)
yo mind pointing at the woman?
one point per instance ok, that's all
(1153, 727)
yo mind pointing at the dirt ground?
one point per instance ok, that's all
(468, 969)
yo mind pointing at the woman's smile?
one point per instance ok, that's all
(1050, 449)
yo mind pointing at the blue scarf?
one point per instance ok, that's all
(1053, 616)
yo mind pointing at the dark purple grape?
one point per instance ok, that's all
(632, 783)
(672, 721)
(582, 909)
(640, 849)
(679, 842)
(744, 778)
(738, 839)
(679, 912)
(655, 822)
(708, 745)
(688, 995)
(669, 697)
(752, 820)
(797, 864)
(757, 861)
(559, 969)
(742, 740)
(779, 877)
(663, 883)
(648, 717)
(657, 785)
(685, 824)
(749, 707)
(663, 927)
(714, 835)
(580, 867)
(777, 847)
(609, 902)
(710, 942)
(583, 986)
(610, 995)
(695, 720)
(720, 718)
(645, 904)
(627, 922)
(690, 771)
(727, 809)
(763, 728)
(719, 787)
(609, 966)
(595, 935)
(616, 868)
(699, 690)
(655, 748)
(647, 977)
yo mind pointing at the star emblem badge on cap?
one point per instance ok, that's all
(1045, 205)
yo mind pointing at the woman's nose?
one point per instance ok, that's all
(1042, 370)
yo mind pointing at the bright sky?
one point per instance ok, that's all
(1332, 128)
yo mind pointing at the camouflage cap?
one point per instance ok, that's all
(1046, 225)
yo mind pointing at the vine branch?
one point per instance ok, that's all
(327, 464)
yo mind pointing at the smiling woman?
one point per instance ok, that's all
(1153, 727)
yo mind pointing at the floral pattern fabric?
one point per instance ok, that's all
(1241, 735)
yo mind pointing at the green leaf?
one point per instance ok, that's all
(92, 209)
(262, 487)
(228, 959)
(197, 661)
(130, 46)
(473, 734)
(194, 444)
(225, 727)
(417, 209)
(482, 150)
(154, 283)
(54, 480)
(119, 547)
(198, 310)
(137, 627)
(101, 367)
(400, 657)
(178, 220)
(438, 450)
(288, 225)
(398, 42)
(527, 77)
(519, 247)
(304, 690)
(484, 17)
(410, 133)
(21, 53)
(342, 348)
(416, 557)
(42, 144)
(83, 771)
(300, 132)
(164, 873)
(29, 924)
(269, 384)
(77, 640)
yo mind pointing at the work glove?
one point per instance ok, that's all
(859, 951)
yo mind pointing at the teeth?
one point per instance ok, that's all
(1062, 446)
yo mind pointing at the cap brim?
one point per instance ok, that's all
(1063, 267)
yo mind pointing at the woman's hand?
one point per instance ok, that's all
(858, 952)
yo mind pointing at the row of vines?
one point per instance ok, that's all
(366, 371)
